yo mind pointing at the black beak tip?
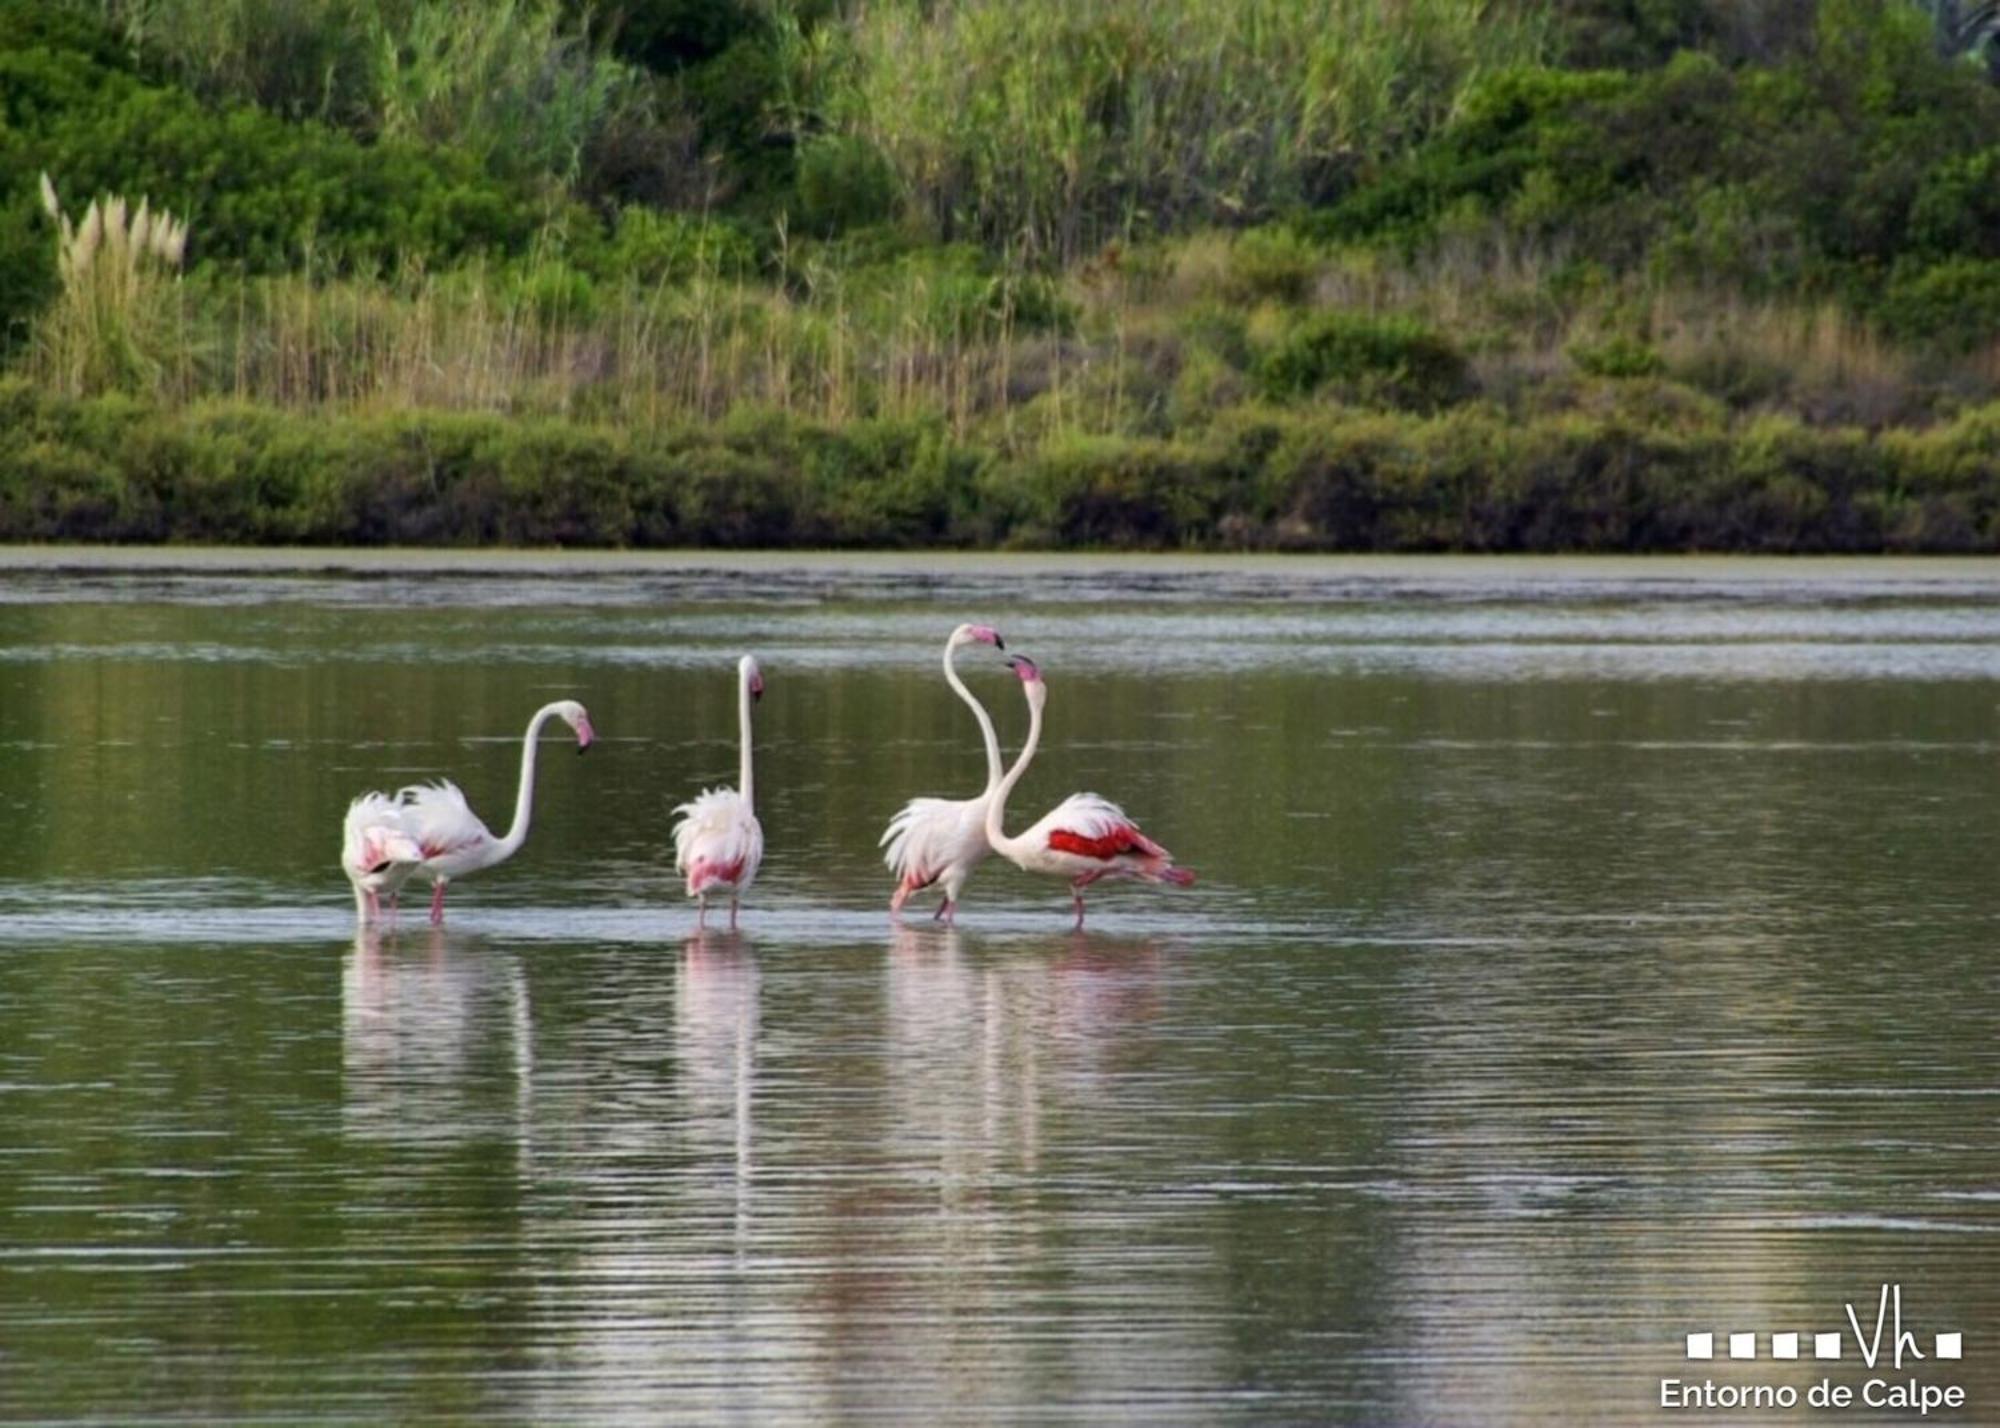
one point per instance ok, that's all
(998, 643)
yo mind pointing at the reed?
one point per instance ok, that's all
(1056, 125)
(116, 323)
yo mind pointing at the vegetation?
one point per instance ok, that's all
(1294, 274)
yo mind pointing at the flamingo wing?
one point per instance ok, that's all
(718, 841)
(377, 845)
(921, 840)
(1092, 826)
(441, 820)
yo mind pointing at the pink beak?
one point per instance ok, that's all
(584, 734)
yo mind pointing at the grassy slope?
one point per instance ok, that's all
(1269, 275)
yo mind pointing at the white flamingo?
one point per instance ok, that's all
(941, 840)
(377, 852)
(718, 843)
(1085, 838)
(453, 840)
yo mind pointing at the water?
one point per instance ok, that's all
(1586, 954)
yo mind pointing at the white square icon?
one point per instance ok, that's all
(1784, 1346)
(1701, 1346)
(1826, 1346)
(1743, 1346)
(1950, 1346)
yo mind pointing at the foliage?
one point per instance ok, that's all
(111, 469)
(1393, 361)
(1058, 126)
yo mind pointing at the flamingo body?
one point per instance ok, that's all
(937, 842)
(1086, 838)
(718, 842)
(453, 838)
(377, 851)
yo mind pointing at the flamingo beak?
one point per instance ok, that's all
(585, 736)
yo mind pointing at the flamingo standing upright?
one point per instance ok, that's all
(1085, 838)
(941, 840)
(377, 852)
(718, 842)
(453, 840)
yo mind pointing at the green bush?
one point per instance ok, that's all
(1954, 304)
(1372, 359)
(844, 182)
(1618, 357)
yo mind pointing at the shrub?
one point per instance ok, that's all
(1389, 359)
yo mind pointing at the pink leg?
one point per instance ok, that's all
(701, 912)
(374, 905)
(951, 913)
(1076, 893)
(437, 902)
(943, 914)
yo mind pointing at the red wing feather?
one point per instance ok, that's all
(706, 873)
(1122, 839)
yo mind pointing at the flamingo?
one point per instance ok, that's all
(718, 842)
(941, 840)
(453, 840)
(377, 852)
(1085, 838)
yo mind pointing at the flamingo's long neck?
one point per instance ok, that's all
(743, 716)
(979, 713)
(996, 810)
(524, 800)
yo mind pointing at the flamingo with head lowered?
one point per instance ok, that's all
(377, 852)
(453, 840)
(1085, 838)
(939, 841)
(718, 843)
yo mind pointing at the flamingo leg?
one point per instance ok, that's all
(374, 906)
(943, 914)
(437, 902)
(732, 912)
(701, 911)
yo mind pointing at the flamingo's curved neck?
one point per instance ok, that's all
(996, 810)
(524, 801)
(979, 713)
(743, 715)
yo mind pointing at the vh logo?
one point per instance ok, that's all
(1890, 1301)
(1888, 1319)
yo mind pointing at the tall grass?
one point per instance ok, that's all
(518, 83)
(1056, 125)
(1162, 341)
(116, 321)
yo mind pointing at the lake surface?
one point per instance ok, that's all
(1586, 954)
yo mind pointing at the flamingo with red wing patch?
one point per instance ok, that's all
(1086, 838)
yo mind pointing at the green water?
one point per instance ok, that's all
(1584, 955)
